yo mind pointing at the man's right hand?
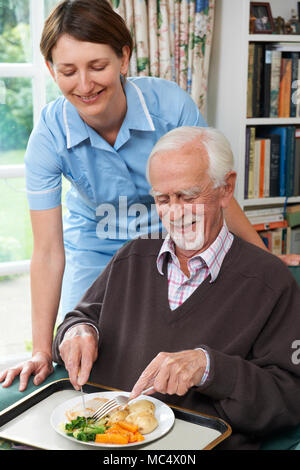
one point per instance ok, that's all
(40, 365)
(79, 350)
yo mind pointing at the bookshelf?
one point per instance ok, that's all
(228, 89)
(228, 79)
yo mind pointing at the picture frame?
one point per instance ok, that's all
(261, 19)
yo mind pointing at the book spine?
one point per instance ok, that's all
(274, 165)
(246, 179)
(266, 192)
(277, 242)
(270, 225)
(282, 162)
(255, 79)
(297, 164)
(261, 168)
(297, 92)
(290, 161)
(256, 168)
(275, 83)
(251, 163)
(250, 79)
(267, 81)
(285, 87)
(293, 105)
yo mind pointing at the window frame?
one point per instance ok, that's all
(36, 70)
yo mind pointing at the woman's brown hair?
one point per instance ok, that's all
(86, 20)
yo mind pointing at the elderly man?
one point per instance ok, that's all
(205, 318)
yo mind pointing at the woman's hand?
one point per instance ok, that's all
(40, 365)
(79, 350)
(290, 260)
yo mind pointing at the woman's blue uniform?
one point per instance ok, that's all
(108, 202)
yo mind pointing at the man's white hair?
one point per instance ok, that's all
(217, 147)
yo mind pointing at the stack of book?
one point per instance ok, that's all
(272, 162)
(279, 229)
(273, 75)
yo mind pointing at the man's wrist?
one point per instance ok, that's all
(207, 367)
(81, 329)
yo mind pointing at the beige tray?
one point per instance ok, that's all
(28, 422)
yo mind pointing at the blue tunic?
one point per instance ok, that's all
(108, 202)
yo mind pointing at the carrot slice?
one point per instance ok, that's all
(112, 438)
(128, 426)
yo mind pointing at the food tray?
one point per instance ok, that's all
(28, 422)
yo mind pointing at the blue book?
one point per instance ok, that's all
(282, 132)
(290, 161)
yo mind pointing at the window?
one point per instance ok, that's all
(25, 87)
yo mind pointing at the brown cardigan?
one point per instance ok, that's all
(247, 320)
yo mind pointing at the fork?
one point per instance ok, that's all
(113, 404)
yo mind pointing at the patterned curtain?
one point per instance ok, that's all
(172, 40)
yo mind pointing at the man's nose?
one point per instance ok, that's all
(175, 211)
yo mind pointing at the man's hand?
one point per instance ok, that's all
(172, 373)
(40, 365)
(79, 350)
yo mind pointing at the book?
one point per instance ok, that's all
(251, 163)
(264, 219)
(285, 87)
(261, 168)
(257, 79)
(286, 240)
(297, 92)
(293, 104)
(270, 225)
(266, 183)
(290, 161)
(265, 211)
(256, 168)
(292, 215)
(266, 237)
(282, 132)
(267, 80)
(275, 166)
(295, 240)
(297, 164)
(277, 242)
(250, 79)
(246, 176)
(293, 208)
(275, 82)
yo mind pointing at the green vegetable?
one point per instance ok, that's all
(84, 429)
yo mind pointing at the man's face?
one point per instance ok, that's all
(187, 202)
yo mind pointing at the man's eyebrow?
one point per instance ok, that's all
(186, 192)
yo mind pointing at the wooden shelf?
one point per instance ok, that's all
(272, 121)
(274, 38)
(266, 201)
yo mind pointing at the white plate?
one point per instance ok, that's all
(163, 414)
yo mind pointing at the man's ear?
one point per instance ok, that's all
(50, 68)
(227, 190)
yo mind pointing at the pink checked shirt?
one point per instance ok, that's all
(207, 263)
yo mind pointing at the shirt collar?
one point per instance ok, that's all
(212, 257)
(137, 118)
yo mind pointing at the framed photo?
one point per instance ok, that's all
(261, 18)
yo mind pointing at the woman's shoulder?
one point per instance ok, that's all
(156, 86)
(165, 98)
(53, 111)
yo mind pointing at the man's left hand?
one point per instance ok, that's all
(172, 373)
